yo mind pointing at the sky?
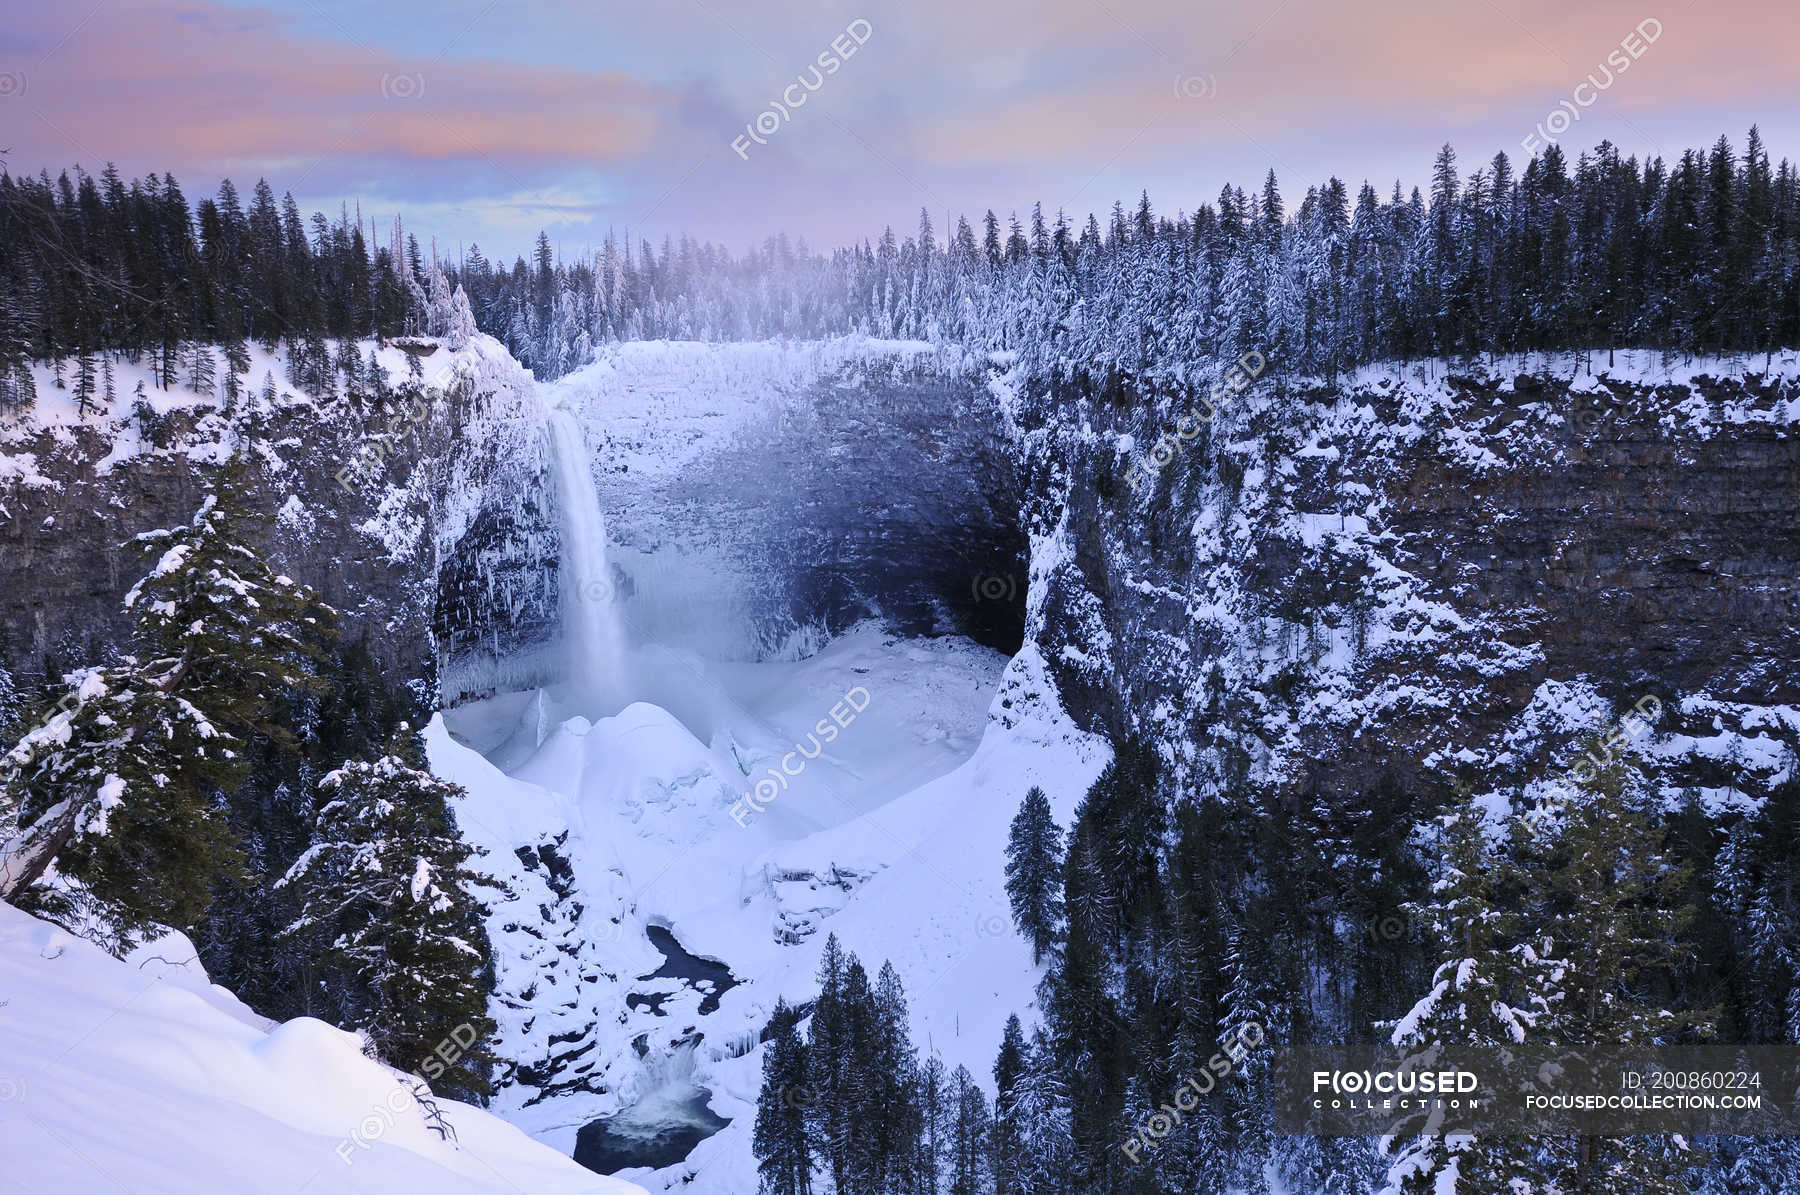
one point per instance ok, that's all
(483, 121)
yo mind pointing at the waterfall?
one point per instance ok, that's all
(590, 621)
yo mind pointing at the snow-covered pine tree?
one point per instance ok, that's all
(18, 387)
(1009, 1064)
(782, 1145)
(347, 361)
(247, 638)
(1758, 889)
(1614, 901)
(1038, 1127)
(1034, 872)
(316, 367)
(119, 787)
(931, 1160)
(86, 377)
(387, 878)
(966, 1144)
(237, 363)
(202, 369)
(890, 1084)
(827, 1054)
(860, 1086)
(376, 379)
(114, 789)
(439, 312)
(1489, 989)
(12, 707)
(1252, 1013)
(459, 325)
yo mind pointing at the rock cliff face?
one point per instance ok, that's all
(1407, 571)
(69, 561)
(412, 546)
(1328, 585)
(760, 494)
(757, 495)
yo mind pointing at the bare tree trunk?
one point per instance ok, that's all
(24, 859)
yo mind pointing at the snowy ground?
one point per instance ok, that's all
(138, 1075)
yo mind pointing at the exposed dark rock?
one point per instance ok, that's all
(1334, 585)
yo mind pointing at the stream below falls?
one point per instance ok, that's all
(662, 1126)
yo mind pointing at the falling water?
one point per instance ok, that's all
(589, 614)
(663, 1124)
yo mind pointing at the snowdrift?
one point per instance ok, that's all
(142, 1075)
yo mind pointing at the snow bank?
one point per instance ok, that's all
(141, 1075)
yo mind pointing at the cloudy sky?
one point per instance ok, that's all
(485, 120)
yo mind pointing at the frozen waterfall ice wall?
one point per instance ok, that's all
(590, 617)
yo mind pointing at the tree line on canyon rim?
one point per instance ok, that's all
(1700, 254)
(1169, 926)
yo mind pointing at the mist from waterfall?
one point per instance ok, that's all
(592, 631)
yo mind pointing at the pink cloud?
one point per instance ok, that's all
(180, 83)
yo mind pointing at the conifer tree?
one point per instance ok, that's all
(1490, 989)
(12, 707)
(860, 1087)
(891, 1084)
(113, 788)
(828, 1065)
(1034, 872)
(248, 637)
(86, 378)
(202, 370)
(237, 363)
(1009, 1064)
(1615, 908)
(1759, 896)
(935, 1113)
(782, 1144)
(967, 1140)
(387, 880)
(1037, 1120)
(120, 786)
